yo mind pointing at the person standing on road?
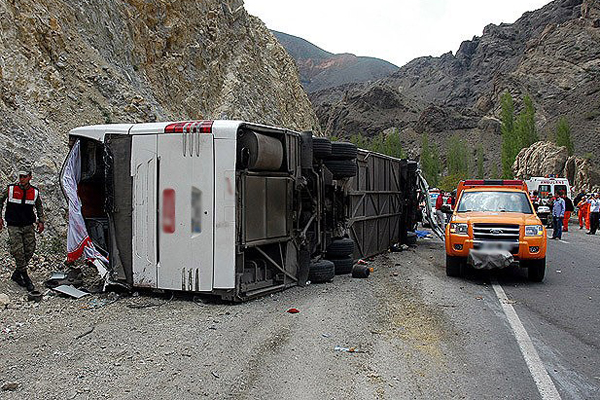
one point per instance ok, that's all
(558, 214)
(583, 208)
(568, 210)
(439, 213)
(594, 213)
(21, 199)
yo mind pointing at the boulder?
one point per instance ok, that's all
(545, 158)
(540, 159)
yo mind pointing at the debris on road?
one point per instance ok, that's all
(361, 271)
(85, 333)
(70, 290)
(293, 311)
(10, 386)
(347, 349)
(4, 301)
(34, 295)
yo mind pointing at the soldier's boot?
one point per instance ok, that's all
(27, 280)
(18, 278)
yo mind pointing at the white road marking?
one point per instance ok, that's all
(564, 241)
(532, 359)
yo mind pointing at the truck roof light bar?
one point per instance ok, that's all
(190, 126)
(493, 182)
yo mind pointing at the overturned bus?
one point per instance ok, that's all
(234, 209)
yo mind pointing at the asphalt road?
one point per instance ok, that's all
(562, 314)
(416, 334)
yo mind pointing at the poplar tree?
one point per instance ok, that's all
(430, 162)
(563, 135)
(507, 116)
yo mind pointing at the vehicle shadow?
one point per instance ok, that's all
(508, 276)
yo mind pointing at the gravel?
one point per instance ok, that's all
(148, 345)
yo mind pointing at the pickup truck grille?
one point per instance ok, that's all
(504, 235)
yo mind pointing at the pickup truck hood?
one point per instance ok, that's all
(480, 217)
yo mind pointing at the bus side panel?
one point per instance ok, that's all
(143, 171)
(225, 200)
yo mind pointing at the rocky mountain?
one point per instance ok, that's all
(551, 54)
(320, 69)
(65, 64)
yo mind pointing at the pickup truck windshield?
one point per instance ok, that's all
(495, 201)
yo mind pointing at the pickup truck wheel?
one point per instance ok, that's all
(340, 248)
(341, 168)
(536, 269)
(321, 271)
(454, 265)
(321, 147)
(343, 151)
(342, 265)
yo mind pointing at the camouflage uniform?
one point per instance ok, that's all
(20, 219)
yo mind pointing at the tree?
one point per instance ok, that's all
(525, 131)
(430, 162)
(480, 159)
(378, 143)
(507, 116)
(563, 135)
(360, 141)
(392, 146)
(516, 133)
(494, 174)
(458, 157)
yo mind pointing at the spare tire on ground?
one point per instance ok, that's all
(321, 147)
(342, 168)
(343, 151)
(342, 265)
(340, 248)
(321, 271)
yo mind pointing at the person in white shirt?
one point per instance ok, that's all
(594, 213)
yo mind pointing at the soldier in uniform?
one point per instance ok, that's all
(21, 199)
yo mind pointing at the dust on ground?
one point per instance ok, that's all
(130, 346)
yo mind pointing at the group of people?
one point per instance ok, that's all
(444, 208)
(588, 207)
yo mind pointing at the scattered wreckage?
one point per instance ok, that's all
(230, 208)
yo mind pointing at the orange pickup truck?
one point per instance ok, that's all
(495, 216)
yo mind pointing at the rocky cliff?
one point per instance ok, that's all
(69, 63)
(320, 69)
(552, 54)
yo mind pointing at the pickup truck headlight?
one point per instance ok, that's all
(459, 229)
(534, 230)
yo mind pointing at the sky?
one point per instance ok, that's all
(393, 30)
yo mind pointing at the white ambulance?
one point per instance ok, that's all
(550, 186)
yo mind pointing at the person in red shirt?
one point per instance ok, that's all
(439, 214)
